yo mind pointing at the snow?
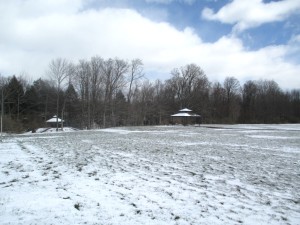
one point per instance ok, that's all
(181, 114)
(52, 130)
(219, 174)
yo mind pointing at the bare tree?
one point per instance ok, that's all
(268, 102)
(82, 83)
(3, 83)
(144, 101)
(135, 73)
(217, 102)
(249, 98)
(96, 81)
(232, 86)
(113, 71)
(107, 71)
(185, 81)
(294, 100)
(59, 70)
(159, 105)
(232, 90)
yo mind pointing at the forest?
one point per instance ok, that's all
(99, 93)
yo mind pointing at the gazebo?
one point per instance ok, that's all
(52, 122)
(186, 116)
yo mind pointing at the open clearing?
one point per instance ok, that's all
(239, 174)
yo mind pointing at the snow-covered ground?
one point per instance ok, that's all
(51, 130)
(237, 174)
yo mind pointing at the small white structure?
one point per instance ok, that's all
(54, 120)
(185, 116)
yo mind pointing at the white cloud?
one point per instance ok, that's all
(28, 43)
(170, 1)
(160, 1)
(248, 14)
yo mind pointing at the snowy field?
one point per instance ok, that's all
(238, 174)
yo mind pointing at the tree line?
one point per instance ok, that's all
(99, 93)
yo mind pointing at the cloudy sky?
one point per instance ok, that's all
(247, 39)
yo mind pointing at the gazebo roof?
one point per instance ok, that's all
(181, 114)
(185, 113)
(185, 110)
(54, 119)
